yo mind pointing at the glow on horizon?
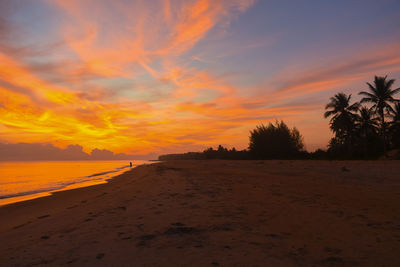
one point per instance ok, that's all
(173, 76)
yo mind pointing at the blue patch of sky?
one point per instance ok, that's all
(299, 32)
(38, 22)
(143, 88)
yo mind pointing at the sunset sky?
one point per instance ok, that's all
(163, 76)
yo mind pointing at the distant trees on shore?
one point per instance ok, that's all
(273, 141)
(365, 131)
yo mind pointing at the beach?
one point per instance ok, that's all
(215, 213)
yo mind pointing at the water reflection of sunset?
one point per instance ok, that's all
(27, 180)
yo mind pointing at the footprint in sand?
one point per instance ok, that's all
(21, 225)
(72, 261)
(178, 224)
(147, 237)
(140, 226)
(333, 260)
(181, 230)
(143, 239)
(100, 256)
(333, 250)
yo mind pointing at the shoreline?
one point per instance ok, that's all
(98, 178)
(215, 212)
(67, 189)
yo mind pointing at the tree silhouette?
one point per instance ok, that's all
(380, 95)
(339, 108)
(366, 121)
(395, 125)
(275, 141)
(367, 125)
(343, 117)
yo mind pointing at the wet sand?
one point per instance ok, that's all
(215, 213)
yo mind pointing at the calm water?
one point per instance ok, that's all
(26, 180)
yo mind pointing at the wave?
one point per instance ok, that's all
(107, 172)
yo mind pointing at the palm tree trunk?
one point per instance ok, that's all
(365, 139)
(349, 140)
(383, 131)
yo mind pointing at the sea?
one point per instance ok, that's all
(21, 181)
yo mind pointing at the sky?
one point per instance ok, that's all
(169, 76)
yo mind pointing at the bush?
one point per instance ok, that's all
(275, 141)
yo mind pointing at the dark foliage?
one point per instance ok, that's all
(362, 132)
(342, 114)
(224, 153)
(381, 95)
(319, 154)
(394, 133)
(210, 153)
(275, 141)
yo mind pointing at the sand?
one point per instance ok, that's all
(215, 213)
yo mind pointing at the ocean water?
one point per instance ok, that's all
(21, 181)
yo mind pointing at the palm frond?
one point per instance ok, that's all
(367, 94)
(354, 106)
(389, 84)
(394, 91)
(328, 113)
(372, 88)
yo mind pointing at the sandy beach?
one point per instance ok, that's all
(215, 213)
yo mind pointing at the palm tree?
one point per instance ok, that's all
(380, 95)
(343, 118)
(366, 121)
(396, 113)
(366, 124)
(342, 121)
(395, 125)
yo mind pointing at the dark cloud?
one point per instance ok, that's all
(100, 154)
(46, 151)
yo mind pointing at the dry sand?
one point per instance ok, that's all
(215, 213)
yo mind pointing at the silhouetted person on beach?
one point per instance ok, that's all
(130, 163)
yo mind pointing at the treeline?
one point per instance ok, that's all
(272, 141)
(363, 130)
(210, 153)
